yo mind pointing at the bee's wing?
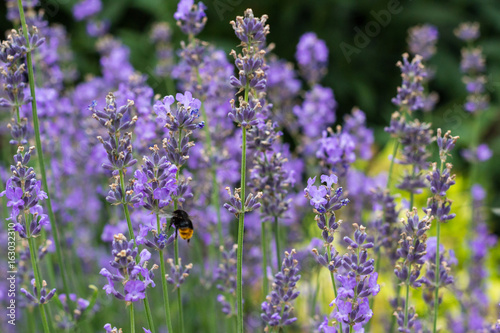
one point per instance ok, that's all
(166, 214)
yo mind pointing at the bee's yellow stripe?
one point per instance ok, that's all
(186, 233)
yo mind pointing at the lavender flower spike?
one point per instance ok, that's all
(277, 309)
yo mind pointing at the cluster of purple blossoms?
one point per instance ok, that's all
(234, 204)
(45, 296)
(387, 224)
(318, 107)
(312, 57)
(225, 275)
(191, 17)
(445, 279)
(277, 309)
(181, 121)
(473, 67)
(155, 180)
(422, 40)
(357, 281)
(132, 272)
(412, 252)
(178, 274)
(336, 151)
(414, 138)
(117, 144)
(410, 92)
(475, 298)
(326, 200)
(23, 192)
(81, 307)
(355, 125)
(252, 32)
(12, 52)
(161, 36)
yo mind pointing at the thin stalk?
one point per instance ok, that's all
(176, 250)
(436, 272)
(332, 277)
(372, 300)
(241, 227)
(131, 234)
(393, 320)
(265, 282)
(213, 170)
(391, 166)
(38, 280)
(179, 299)
(132, 317)
(277, 240)
(407, 298)
(38, 143)
(166, 303)
(436, 291)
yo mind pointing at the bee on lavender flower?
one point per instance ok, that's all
(182, 223)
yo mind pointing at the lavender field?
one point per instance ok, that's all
(165, 177)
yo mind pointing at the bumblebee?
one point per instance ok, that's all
(182, 224)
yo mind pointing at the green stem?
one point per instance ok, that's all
(132, 236)
(393, 320)
(38, 280)
(277, 240)
(125, 209)
(436, 271)
(132, 317)
(265, 283)
(213, 170)
(372, 300)
(241, 228)
(332, 277)
(407, 299)
(436, 291)
(391, 166)
(166, 303)
(38, 142)
(179, 298)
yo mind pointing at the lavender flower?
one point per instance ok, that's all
(312, 57)
(412, 252)
(318, 108)
(181, 122)
(468, 31)
(12, 52)
(277, 309)
(110, 329)
(225, 275)
(445, 262)
(422, 40)
(45, 296)
(336, 151)
(24, 192)
(118, 142)
(155, 180)
(414, 137)
(191, 17)
(161, 35)
(86, 8)
(410, 93)
(178, 274)
(357, 282)
(134, 276)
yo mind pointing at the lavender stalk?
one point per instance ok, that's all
(38, 143)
